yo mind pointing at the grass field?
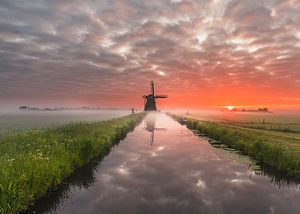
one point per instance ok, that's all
(33, 162)
(263, 125)
(282, 121)
(278, 149)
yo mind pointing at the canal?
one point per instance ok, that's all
(162, 167)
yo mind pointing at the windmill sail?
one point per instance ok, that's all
(161, 96)
(152, 87)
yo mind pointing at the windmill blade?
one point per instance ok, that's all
(161, 96)
(152, 87)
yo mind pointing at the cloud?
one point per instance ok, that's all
(88, 49)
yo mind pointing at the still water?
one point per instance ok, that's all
(162, 167)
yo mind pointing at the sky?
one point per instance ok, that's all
(201, 53)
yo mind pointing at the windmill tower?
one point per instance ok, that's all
(150, 99)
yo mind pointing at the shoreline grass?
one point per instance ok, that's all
(280, 152)
(32, 162)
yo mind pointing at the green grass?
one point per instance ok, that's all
(277, 149)
(32, 162)
(281, 127)
(281, 121)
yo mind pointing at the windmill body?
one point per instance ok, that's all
(150, 99)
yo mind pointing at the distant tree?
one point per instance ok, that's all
(23, 107)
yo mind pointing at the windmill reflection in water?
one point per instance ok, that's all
(150, 126)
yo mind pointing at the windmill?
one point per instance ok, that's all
(150, 103)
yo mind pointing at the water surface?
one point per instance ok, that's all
(162, 167)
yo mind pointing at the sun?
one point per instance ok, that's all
(230, 108)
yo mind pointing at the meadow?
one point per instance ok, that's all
(34, 162)
(291, 127)
(278, 149)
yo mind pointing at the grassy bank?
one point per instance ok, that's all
(277, 150)
(33, 162)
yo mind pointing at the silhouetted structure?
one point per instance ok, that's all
(150, 103)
